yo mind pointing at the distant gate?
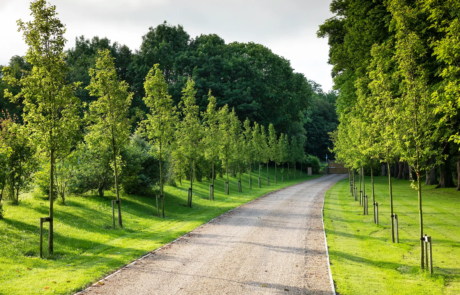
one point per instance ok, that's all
(336, 168)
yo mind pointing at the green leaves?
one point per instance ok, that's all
(189, 132)
(162, 117)
(110, 126)
(211, 129)
(51, 111)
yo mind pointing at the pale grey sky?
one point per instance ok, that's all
(287, 27)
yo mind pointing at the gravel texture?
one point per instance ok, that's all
(272, 245)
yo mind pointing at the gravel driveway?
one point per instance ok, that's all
(272, 245)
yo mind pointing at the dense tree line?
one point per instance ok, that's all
(97, 117)
(249, 78)
(395, 67)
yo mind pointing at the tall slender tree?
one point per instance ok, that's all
(160, 123)
(110, 126)
(415, 130)
(258, 146)
(381, 116)
(51, 111)
(273, 146)
(264, 150)
(237, 142)
(190, 140)
(283, 150)
(226, 142)
(248, 154)
(211, 135)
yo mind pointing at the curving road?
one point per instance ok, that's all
(272, 245)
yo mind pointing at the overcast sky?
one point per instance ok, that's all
(287, 27)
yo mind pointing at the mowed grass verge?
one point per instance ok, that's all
(86, 247)
(363, 258)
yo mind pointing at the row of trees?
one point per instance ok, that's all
(248, 77)
(181, 137)
(399, 97)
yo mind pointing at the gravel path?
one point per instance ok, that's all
(272, 245)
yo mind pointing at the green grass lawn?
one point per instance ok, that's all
(87, 248)
(364, 261)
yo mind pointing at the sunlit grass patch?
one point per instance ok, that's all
(87, 247)
(364, 261)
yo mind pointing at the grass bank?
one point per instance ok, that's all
(363, 258)
(86, 246)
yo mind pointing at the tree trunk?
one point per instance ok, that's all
(228, 184)
(401, 170)
(407, 171)
(276, 179)
(250, 175)
(372, 185)
(268, 175)
(390, 192)
(384, 169)
(18, 185)
(212, 177)
(458, 172)
(419, 185)
(289, 174)
(1, 196)
(431, 175)
(100, 191)
(161, 186)
(445, 172)
(353, 188)
(191, 185)
(50, 236)
(120, 223)
(364, 184)
(360, 178)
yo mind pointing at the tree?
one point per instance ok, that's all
(17, 66)
(444, 17)
(320, 119)
(226, 143)
(380, 111)
(110, 126)
(416, 131)
(283, 151)
(94, 169)
(190, 130)
(211, 136)
(160, 122)
(355, 28)
(248, 154)
(300, 151)
(238, 141)
(258, 146)
(51, 111)
(83, 57)
(18, 157)
(264, 150)
(273, 147)
(293, 154)
(65, 172)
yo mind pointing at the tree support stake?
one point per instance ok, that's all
(43, 220)
(428, 246)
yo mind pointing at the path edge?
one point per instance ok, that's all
(101, 281)
(327, 249)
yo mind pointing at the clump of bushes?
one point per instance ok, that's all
(314, 163)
